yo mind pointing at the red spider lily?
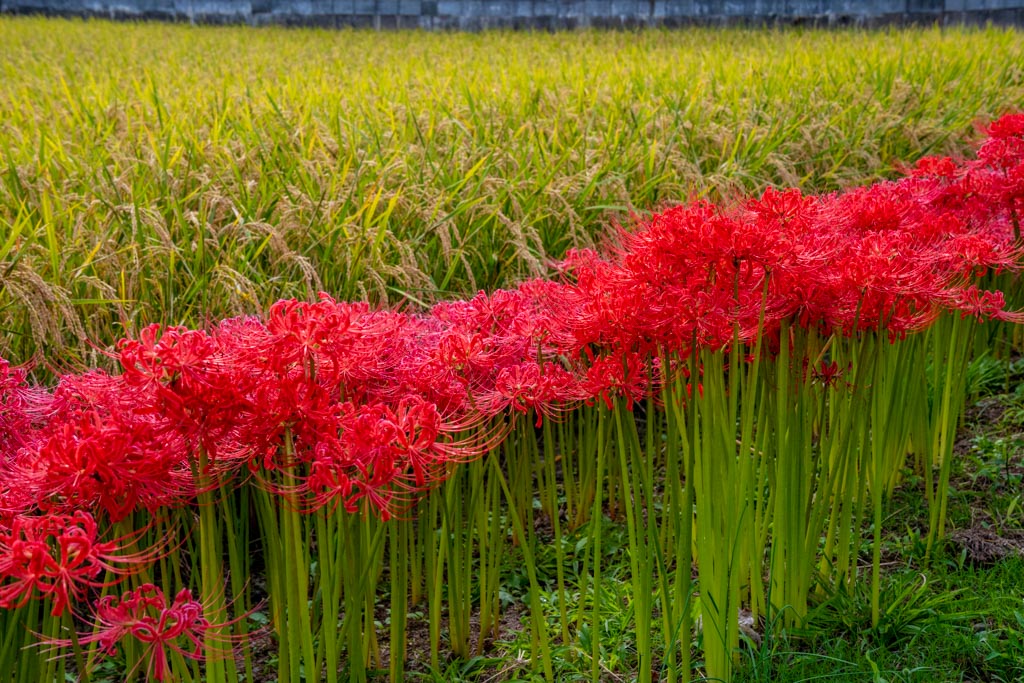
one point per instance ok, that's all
(432, 380)
(546, 389)
(108, 461)
(418, 427)
(145, 616)
(14, 501)
(359, 462)
(605, 307)
(346, 345)
(493, 315)
(935, 167)
(187, 382)
(291, 405)
(466, 355)
(1004, 147)
(337, 379)
(22, 408)
(386, 455)
(58, 557)
(300, 330)
(617, 374)
(163, 356)
(15, 422)
(983, 305)
(827, 374)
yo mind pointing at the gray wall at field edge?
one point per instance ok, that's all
(536, 14)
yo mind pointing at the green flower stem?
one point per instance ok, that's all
(219, 669)
(237, 530)
(677, 604)
(398, 558)
(952, 339)
(329, 549)
(76, 648)
(266, 508)
(551, 503)
(639, 552)
(295, 566)
(539, 636)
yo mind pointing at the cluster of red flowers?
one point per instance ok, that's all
(60, 556)
(340, 404)
(162, 628)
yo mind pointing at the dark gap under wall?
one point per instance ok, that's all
(537, 14)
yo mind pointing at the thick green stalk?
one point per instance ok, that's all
(236, 515)
(952, 341)
(363, 544)
(640, 553)
(266, 507)
(328, 549)
(76, 648)
(719, 526)
(539, 635)
(676, 605)
(437, 552)
(398, 556)
(554, 512)
(596, 519)
(296, 568)
(218, 667)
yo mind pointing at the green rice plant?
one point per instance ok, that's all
(138, 185)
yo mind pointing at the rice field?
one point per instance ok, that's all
(155, 173)
(413, 426)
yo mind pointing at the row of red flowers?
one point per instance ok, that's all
(361, 406)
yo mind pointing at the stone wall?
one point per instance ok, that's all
(536, 14)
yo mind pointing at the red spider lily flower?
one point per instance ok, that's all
(330, 483)
(1007, 126)
(58, 557)
(983, 305)
(935, 167)
(106, 461)
(14, 501)
(617, 374)
(1004, 147)
(418, 426)
(187, 381)
(361, 463)
(827, 374)
(546, 389)
(466, 355)
(386, 455)
(22, 409)
(165, 355)
(299, 330)
(433, 380)
(160, 627)
(291, 404)
(424, 440)
(494, 314)
(339, 344)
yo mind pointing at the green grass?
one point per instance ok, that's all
(170, 173)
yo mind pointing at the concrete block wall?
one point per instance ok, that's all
(535, 14)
